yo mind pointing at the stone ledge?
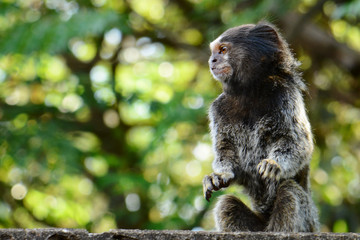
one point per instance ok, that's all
(127, 234)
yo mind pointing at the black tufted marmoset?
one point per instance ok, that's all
(261, 134)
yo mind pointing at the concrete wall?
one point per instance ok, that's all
(122, 234)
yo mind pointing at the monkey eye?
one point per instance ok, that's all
(223, 49)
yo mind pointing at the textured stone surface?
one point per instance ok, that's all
(124, 234)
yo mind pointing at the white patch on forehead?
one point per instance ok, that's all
(216, 41)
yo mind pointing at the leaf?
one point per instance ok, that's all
(6, 7)
(51, 34)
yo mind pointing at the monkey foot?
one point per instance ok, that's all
(269, 169)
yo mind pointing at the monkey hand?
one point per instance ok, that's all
(269, 169)
(215, 182)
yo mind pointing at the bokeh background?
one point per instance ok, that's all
(103, 108)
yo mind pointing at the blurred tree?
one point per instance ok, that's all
(103, 108)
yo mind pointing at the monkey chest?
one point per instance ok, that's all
(250, 145)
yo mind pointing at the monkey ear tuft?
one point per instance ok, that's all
(266, 30)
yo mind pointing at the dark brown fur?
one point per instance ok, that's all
(261, 135)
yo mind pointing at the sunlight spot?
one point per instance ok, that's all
(99, 75)
(154, 215)
(131, 55)
(106, 52)
(192, 36)
(166, 208)
(142, 41)
(13, 98)
(55, 69)
(20, 96)
(162, 179)
(105, 223)
(142, 109)
(163, 93)
(166, 69)
(20, 120)
(320, 176)
(111, 118)
(143, 85)
(140, 137)
(354, 188)
(202, 151)
(113, 37)
(148, 50)
(15, 174)
(338, 28)
(132, 202)
(333, 195)
(18, 191)
(194, 102)
(199, 203)
(138, 111)
(329, 8)
(154, 191)
(193, 168)
(71, 103)
(152, 50)
(85, 186)
(51, 201)
(53, 99)
(98, 3)
(85, 141)
(333, 140)
(85, 51)
(105, 95)
(96, 166)
(156, 11)
(186, 212)
(322, 81)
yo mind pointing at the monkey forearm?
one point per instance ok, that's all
(226, 157)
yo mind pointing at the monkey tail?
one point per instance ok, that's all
(232, 215)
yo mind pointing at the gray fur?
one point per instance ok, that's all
(261, 134)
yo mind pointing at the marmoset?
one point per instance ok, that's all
(260, 132)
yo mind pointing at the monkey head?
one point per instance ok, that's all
(243, 55)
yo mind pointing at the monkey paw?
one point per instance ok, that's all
(215, 182)
(269, 169)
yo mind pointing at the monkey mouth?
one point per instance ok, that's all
(221, 70)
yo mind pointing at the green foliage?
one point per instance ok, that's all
(52, 34)
(103, 108)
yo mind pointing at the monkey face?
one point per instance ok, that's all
(219, 64)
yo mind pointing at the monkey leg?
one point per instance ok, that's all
(293, 211)
(232, 215)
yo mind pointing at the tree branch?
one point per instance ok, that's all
(321, 45)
